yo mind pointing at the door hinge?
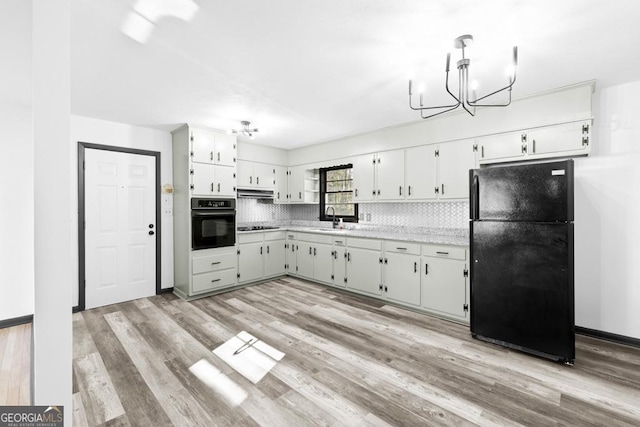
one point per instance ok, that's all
(465, 307)
(380, 260)
(437, 153)
(523, 138)
(238, 275)
(190, 171)
(345, 280)
(437, 190)
(238, 251)
(585, 141)
(191, 153)
(332, 277)
(475, 148)
(191, 186)
(585, 128)
(465, 273)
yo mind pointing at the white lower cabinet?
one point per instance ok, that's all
(260, 255)
(364, 267)
(274, 254)
(401, 267)
(445, 284)
(211, 270)
(314, 259)
(339, 253)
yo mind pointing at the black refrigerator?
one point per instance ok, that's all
(522, 281)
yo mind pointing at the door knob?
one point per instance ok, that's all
(150, 225)
(151, 233)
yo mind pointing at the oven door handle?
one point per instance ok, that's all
(213, 213)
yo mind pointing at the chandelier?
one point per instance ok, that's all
(463, 99)
(246, 130)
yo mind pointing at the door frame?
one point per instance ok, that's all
(82, 146)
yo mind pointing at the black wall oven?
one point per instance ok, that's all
(213, 223)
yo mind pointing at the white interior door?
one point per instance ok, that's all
(120, 228)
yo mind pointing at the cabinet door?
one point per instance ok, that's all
(454, 162)
(250, 262)
(339, 266)
(323, 263)
(390, 175)
(202, 179)
(504, 147)
(444, 288)
(245, 174)
(304, 255)
(296, 184)
(421, 172)
(291, 256)
(402, 278)
(225, 181)
(364, 270)
(570, 139)
(264, 175)
(282, 185)
(274, 258)
(225, 150)
(202, 145)
(364, 178)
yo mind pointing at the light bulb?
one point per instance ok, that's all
(473, 85)
(421, 88)
(510, 70)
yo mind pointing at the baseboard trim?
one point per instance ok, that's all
(16, 321)
(608, 336)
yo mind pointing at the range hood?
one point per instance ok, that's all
(252, 193)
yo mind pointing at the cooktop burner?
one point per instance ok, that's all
(257, 227)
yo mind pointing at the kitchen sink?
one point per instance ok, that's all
(330, 230)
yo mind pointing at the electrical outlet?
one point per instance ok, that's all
(167, 211)
(361, 216)
(273, 215)
(368, 217)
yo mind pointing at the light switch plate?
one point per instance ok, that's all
(368, 217)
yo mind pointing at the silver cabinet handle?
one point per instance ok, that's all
(442, 253)
(426, 269)
(257, 180)
(314, 251)
(218, 187)
(443, 189)
(534, 145)
(309, 250)
(267, 248)
(218, 156)
(212, 187)
(409, 190)
(260, 250)
(215, 280)
(415, 267)
(250, 180)
(482, 151)
(215, 263)
(402, 249)
(400, 190)
(212, 156)
(356, 192)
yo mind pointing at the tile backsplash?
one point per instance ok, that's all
(414, 214)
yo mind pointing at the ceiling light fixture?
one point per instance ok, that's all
(463, 82)
(246, 131)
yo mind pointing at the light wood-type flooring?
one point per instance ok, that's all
(350, 361)
(15, 365)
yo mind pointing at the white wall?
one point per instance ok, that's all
(103, 132)
(16, 212)
(16, 161)
(261, 153)
(607, 220)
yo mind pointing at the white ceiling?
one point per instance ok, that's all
(307, 71)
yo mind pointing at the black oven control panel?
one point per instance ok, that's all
(208, 203)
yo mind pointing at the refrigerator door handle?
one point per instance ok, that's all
(475, 199)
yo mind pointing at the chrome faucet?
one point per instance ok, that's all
(335, 223)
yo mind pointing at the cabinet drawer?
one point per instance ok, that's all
(451, 252)
(213, 262)
(402, 247)
(340, 241)
(250, 237)
(274, 235)
(315, 238)
(291, 235)
(355, 242)
(217, 279)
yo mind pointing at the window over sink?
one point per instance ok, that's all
(336, 194)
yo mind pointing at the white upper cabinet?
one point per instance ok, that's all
(379, 176)
(503, 147)
(390, 175)
(281, 189)
(296, 184)
(255, 175)
(224, 153)
(202, 145)
(212, 147)
(454, 161)
(421, 173)
(364, 185)
(568, 139)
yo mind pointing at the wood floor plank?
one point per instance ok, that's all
(94, 381)
(140, 405)
(79, 414)
(178, 404)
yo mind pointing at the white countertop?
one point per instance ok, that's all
(418, 235)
